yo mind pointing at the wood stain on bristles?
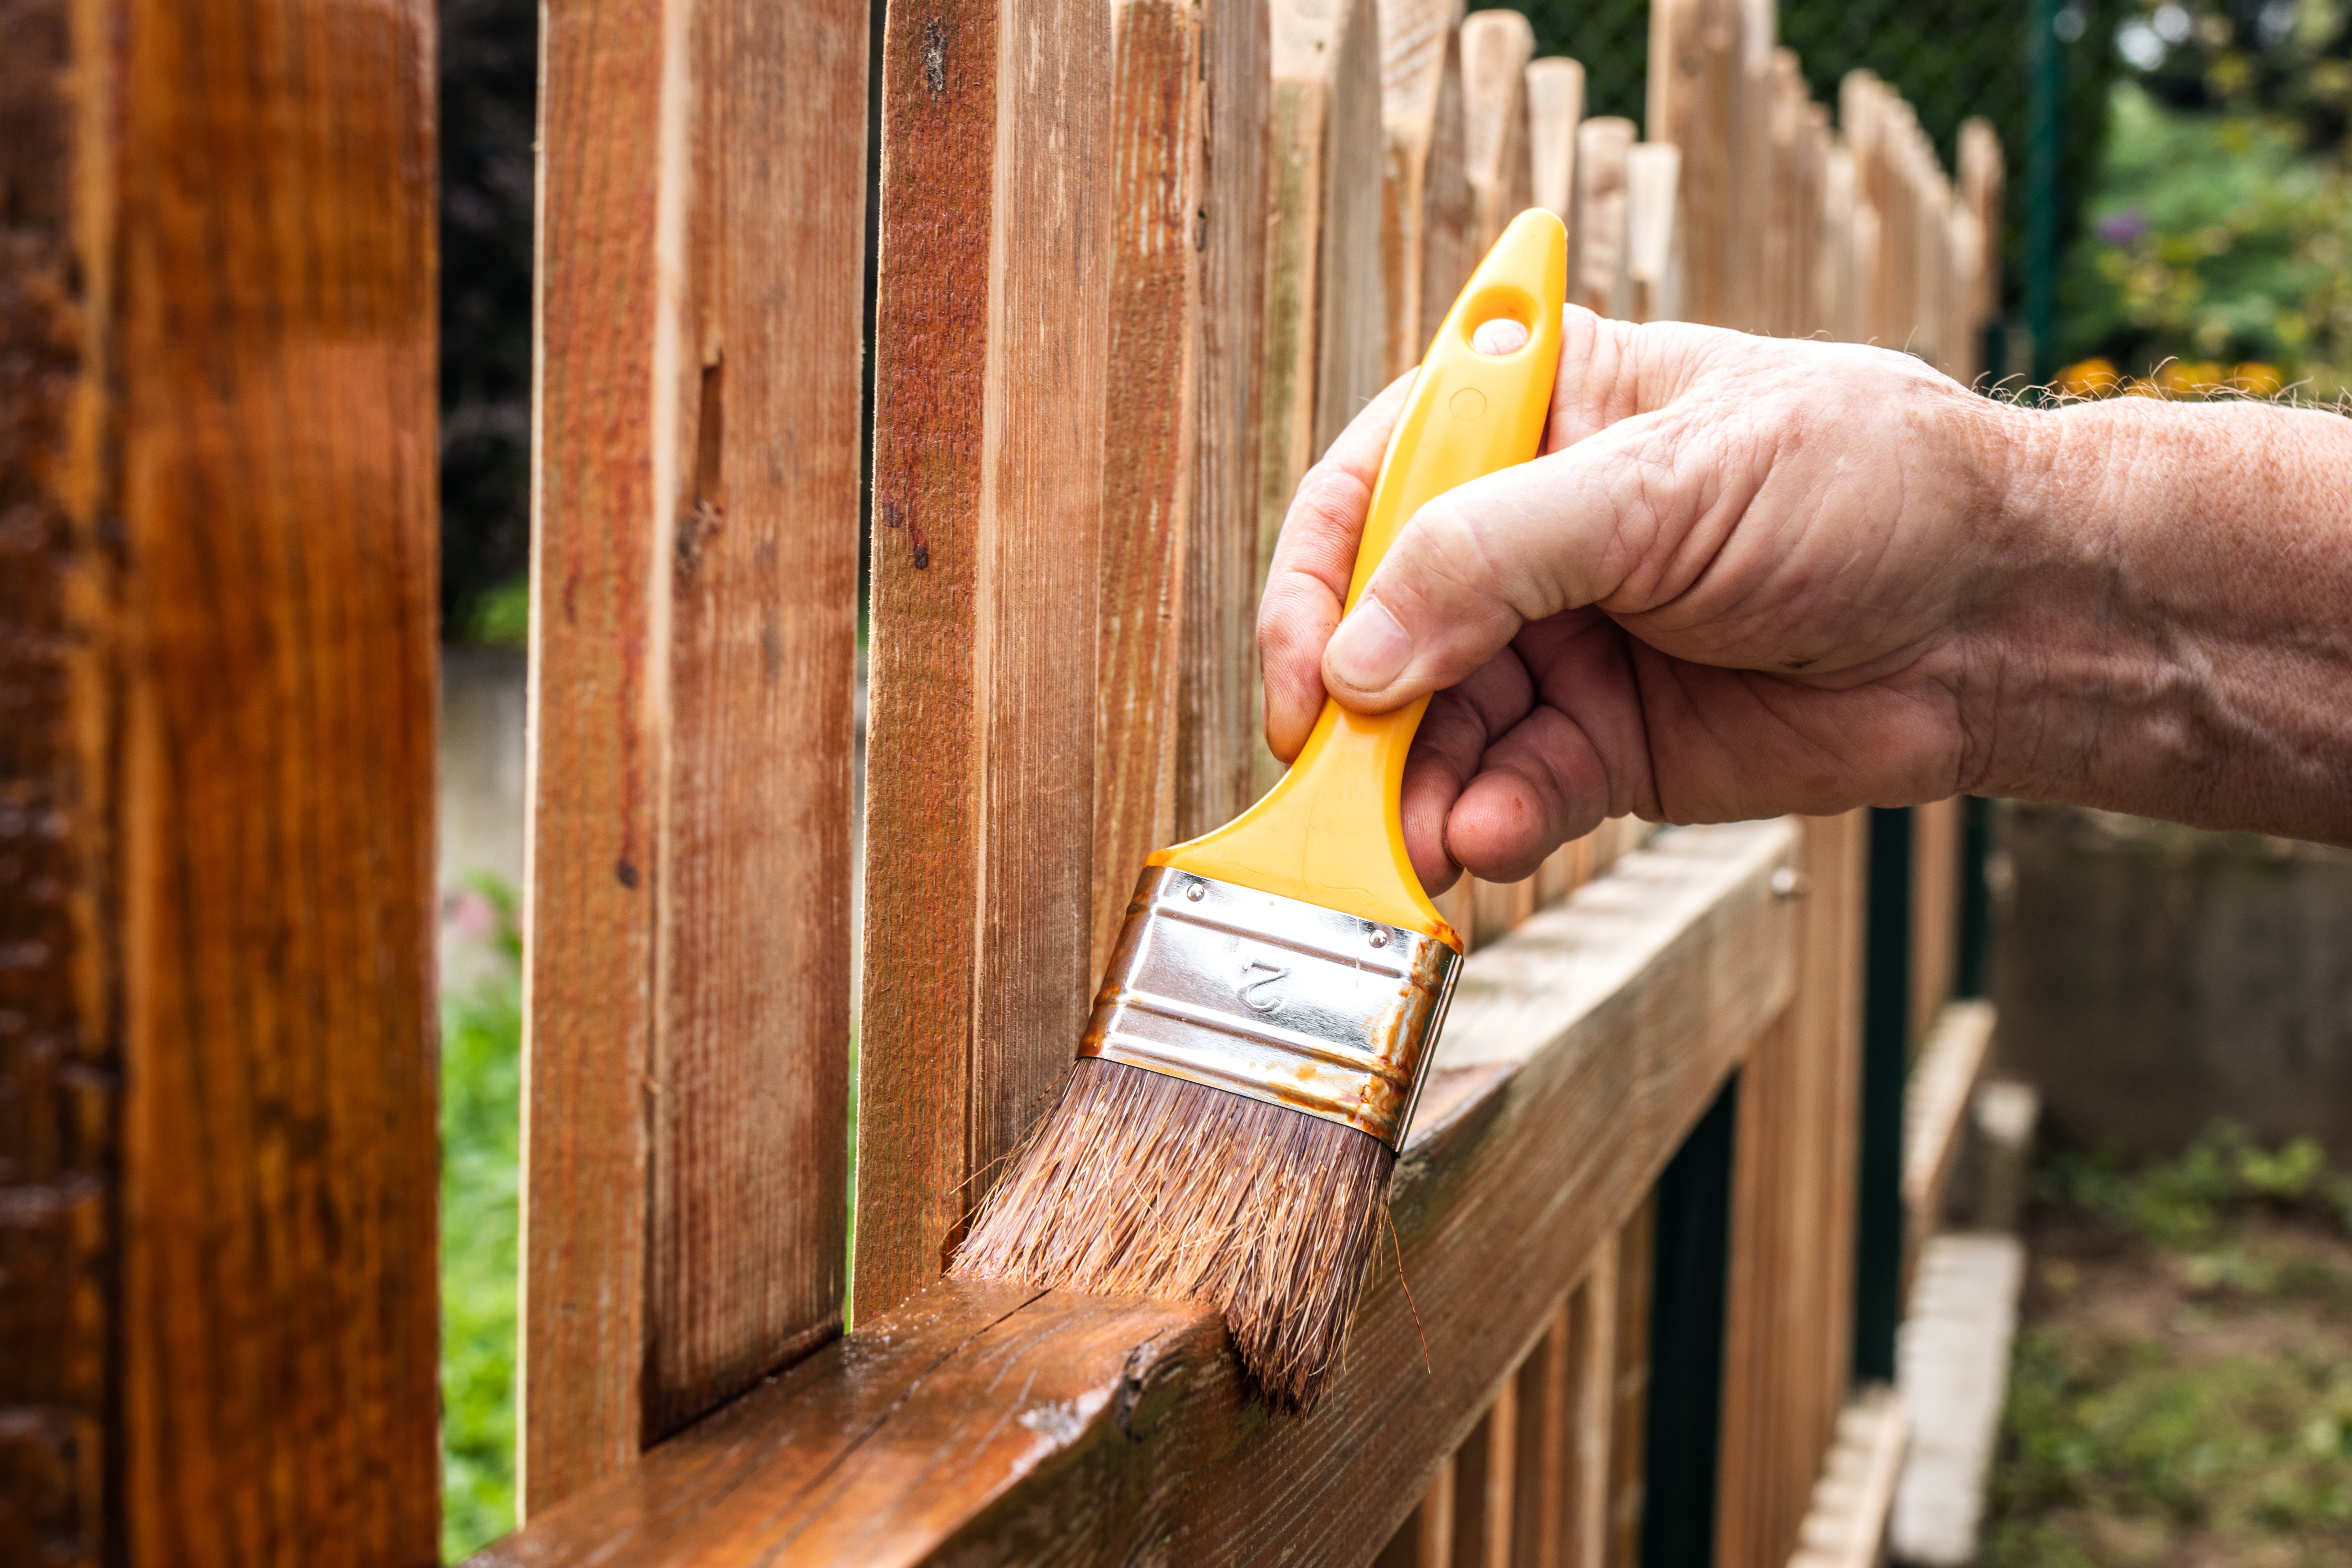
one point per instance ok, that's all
(1141, 1185)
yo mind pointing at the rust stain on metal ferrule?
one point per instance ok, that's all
(1282, 1001)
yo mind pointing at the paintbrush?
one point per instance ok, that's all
(1267, 1017)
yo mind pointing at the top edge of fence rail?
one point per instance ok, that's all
(987, 1421)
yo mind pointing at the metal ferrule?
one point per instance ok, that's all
(1279, 1000)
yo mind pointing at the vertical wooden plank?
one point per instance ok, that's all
(992, 334)
(60, 627)
(1496, 49)
(1425, 204)
(1935, 910)
(694, 578)
(1599, 282)
(1433, 1538)
(1629, 1389)
(1585, 1527)
(1149, 431)
(1216, 690)
(1485, 1473)
(217, 1076)
(1538, 1490)
(1653, 239)
(1555, 109)
(1694, 64)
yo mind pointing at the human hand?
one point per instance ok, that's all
(1747, 576)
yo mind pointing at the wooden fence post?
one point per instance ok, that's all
(693, 644)
(1496, 49)
(1554, 107)
(991, 358)
(217, 565)
(1426, 216)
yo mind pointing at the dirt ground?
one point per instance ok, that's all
(2181, 1393)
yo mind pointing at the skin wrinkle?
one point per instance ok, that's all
(1824, 575)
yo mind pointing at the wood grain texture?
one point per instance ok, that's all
(1935, 910)
(1935, 1104)
(1217, 731)
(1425, 201)
(1693, 92)
(60, 1052)
(1496, 49)
(218, 579)
(693, 669)
(1593, 1317)
(1149, 431)
(1326, 316)
(1600, 281)
(1629, 1389)
(1787, 1310)
(1063, 1429)
(1485, 1472)
(1540, 1500)
(991, 356)
(1555, 109)
(1654, 235)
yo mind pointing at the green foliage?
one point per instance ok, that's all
(2180, 1202)
(2183, 1391)
(501, 615)
(2214, 237)
(481, 1138)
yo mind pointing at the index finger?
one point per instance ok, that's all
(1307, 582)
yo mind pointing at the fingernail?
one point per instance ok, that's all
(1370, 649)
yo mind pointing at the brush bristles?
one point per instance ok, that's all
(1142, 1184)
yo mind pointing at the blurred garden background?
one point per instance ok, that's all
(2180, 223)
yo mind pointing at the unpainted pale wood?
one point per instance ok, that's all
(1694, 92)
(218, 1315)
(1935, 910)
(1936, 1101)
(1496, 49)
(1425, 200)
(695, 553)
(1599, 280)
(991, 356)
(1217, 725)
(1846, 1525)
(1653, 242)
(1149, 432)
(981, 1425)
(1555, 109)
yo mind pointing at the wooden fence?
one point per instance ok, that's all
(1136, 266)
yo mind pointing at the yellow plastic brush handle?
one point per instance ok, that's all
(1331, 832)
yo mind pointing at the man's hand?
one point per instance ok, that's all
(1743, 579)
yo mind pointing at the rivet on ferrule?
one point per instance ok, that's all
(1274, 998)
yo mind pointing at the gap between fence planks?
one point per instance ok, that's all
(984, 1423)
(217, 585)
(694, 636)
(990, 359)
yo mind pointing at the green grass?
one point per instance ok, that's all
(481, 1139)
(2181, 1392)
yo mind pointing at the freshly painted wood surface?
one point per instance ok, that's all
(983, 1424)
(1426, 214)
(1217, 732)
(1149, 432)
(693, 668)
(990, 359)
(1496, 49)
(217, 579)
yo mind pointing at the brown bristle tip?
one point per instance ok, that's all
(1142, 1184)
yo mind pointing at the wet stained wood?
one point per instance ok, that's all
(1496, 49)
(1425, 200)
(1076, 1430)
(1149, 426)
(990, 356)
(217, 585)
(1217, 726)
(695, 641)
(1788, 1336)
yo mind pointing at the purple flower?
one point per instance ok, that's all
(2123, 227)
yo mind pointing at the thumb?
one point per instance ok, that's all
(1523, 544)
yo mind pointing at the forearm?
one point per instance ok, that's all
(2177, 636)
